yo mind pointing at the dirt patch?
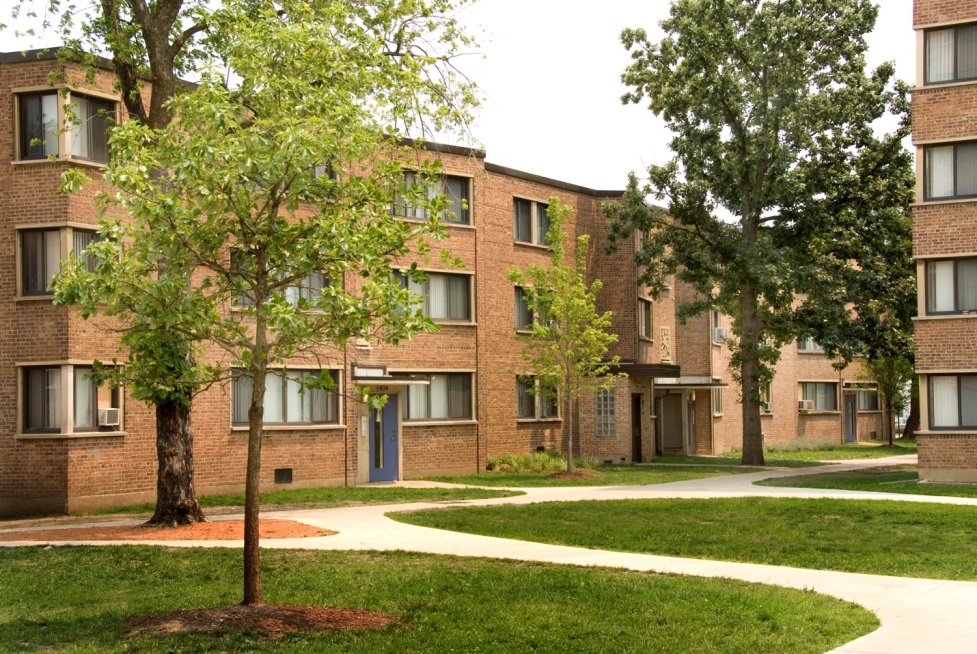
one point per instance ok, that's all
(576, 474)
(217, 530)
(273, 620)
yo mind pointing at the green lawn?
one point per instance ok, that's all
(74, 599)
(875, 537)
(889, 479)
(333, 496)
(733, 459)
(824, 452)
(601, 476)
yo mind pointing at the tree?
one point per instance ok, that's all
(569, 338)
(893, 376)
(786, 207)
(156, 40)
(275, 193)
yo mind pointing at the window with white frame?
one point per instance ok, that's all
(953, 401)
(88, 133)
(94, 406)
(808, 344)
(823, 396)
(448, 397)
(606, 412)
(302, 293)
(530, 221)
(288, 400)
(525, 316)
(442, 296)
(717, 399)
(868, 400)
(40, 255)
(951, 54)
(644, 319)
(950, 171)
(531, 402)
(951, 286)
(766, 398)
(453, 187)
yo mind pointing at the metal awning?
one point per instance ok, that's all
(641, 370)
(378, 376)
(689, 381)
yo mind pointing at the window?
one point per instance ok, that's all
(95, 407)
(953, 401)
(530, 221)
(40, 133)
(951, 286)
(605, 412)
(524, 315)
(868, 400)
(288, 400)
(808, 345)
(823, 396)
(644, 319)
(454, 188)
(951, 54)
(444, 296)
(40, 255)
(531, 403)
(766, 399)
(717, 400)
(950, 171)
(309, 288)
(449, 397)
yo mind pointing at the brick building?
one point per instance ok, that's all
(455, 398)
(944, 107)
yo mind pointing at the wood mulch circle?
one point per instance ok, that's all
(216, 530)
(271, 619)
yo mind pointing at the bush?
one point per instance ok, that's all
(546, 461)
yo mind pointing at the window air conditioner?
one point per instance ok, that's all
(805, 405)
(718, 334)
(108, 417)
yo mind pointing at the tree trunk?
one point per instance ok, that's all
(252, 551)
(750, 379)
(569, 434)
(912, 422)
(176, 500)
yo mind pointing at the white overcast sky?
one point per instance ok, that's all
(550, 79)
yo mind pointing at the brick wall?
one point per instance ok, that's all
(929, 12)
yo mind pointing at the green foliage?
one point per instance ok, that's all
(566, 351)
(444, 604)
(598, 475)
(822, 534)
(889, 479)
(812, 449)
(547, 461)
(788, 211)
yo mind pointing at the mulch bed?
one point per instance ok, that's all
(271, 619)
(217, 530)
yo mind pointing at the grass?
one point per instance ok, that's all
(445, 604)
(332, 496)
(807, 450)
(874, 537)
(889, 479)
(733, 459)
(598, 476)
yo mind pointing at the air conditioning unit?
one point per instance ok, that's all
(719, 334)
(108, 417)
(805, 405)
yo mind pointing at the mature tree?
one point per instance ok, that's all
(276, 193)
(893, 377)
(566, 351)
(149, 45)
(785, 204)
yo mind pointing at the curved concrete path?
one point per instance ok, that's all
(917, 615)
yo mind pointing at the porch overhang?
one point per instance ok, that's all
(644, 370)
(377, 377)
(688, 381)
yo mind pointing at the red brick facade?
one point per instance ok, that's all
(944, 229)
(83, 470)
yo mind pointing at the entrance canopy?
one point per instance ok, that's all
(378, 378)
(688, 381)
(642, 370)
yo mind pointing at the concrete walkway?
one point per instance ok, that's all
(917, 615)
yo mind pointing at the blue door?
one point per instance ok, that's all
(383, 441)
(850, 417)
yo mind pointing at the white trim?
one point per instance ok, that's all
(438, 423)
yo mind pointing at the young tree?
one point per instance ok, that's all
(276, 192)
(151, 42)
(569, 338)
(787, 209)
(893, 376)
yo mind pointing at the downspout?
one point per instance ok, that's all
(346, 371)
(478, 337)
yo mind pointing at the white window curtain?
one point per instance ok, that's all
(298, 405)
(967, 285)
(80, 125)
(52, 378)
(439, 396)
(939, 172)
(85, 399)
(438, 298)
(939, 286)
(274, 390)
(240, 398)
(944, 397)
(939, 56)
(542, 222)
(417, 402)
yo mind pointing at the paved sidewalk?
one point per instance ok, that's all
(917, 615)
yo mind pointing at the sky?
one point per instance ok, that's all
(549, 75)
(550, 79)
